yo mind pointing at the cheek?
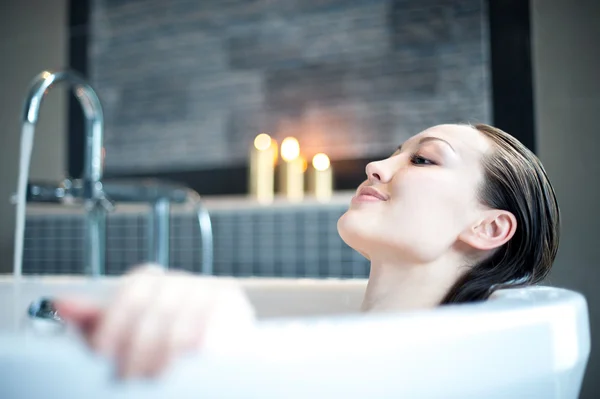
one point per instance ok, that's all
(429, 209)
(430, 193)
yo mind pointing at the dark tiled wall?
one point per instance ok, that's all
(187, 84)
(259, 242)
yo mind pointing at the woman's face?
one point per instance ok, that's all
(428, 197)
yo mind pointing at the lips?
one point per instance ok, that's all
(371, 193)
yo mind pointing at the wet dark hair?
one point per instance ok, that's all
(514, 181)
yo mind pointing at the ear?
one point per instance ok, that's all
(492, 231)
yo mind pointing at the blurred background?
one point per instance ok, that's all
(187, 85)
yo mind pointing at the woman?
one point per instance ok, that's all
(455, 213)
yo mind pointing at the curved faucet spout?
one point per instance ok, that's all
(92, 110)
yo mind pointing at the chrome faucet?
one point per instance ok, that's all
(98, 197)
(96, 202)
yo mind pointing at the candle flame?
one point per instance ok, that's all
(262, 142)
(321, 162)
(290, 149)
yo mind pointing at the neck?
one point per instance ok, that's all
(398, 286)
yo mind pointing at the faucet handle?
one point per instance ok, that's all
(101, 201)
(105, 202)
(95, 196)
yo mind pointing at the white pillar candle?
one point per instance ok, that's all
(320, 180)
(291, 172)
(262, 168)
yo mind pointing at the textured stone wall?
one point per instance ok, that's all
(186, 84)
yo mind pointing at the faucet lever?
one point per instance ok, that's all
(106, 203)
(95, 196)
(102, 201)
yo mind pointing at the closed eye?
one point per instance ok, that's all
(420, 161)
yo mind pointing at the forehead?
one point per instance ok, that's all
(465, 139)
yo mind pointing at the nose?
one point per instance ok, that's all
(377, 172)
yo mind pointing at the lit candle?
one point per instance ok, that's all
(320, 180)
(291, 172)
(262, 168)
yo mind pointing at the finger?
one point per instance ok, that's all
(146, 344)
(145, 269)
(122, 314)
(82, 312)
(76, 310)
(186, 330)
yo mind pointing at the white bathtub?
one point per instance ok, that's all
(310, 342)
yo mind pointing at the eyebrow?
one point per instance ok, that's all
(430, 138)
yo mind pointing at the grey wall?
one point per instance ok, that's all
(29, 43)
(189, 84)
(566, 64)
